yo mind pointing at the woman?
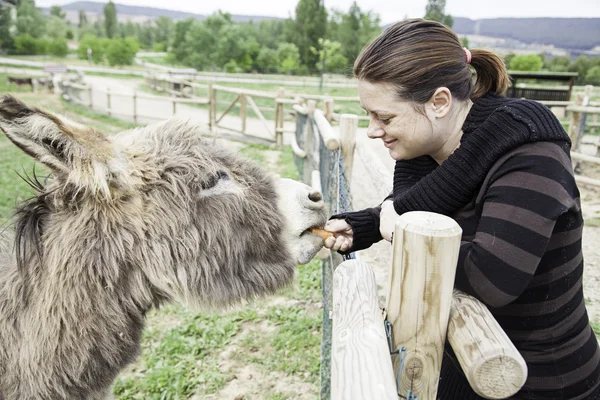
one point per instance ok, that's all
(501, 168)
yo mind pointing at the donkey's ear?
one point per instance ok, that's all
(78, 154)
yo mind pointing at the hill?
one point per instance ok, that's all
(566, 33)
(126, 12)
(581, 34)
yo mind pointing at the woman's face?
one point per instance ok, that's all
(405, 130)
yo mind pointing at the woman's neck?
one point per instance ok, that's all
(455, 124)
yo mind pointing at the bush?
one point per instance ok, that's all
(232, 67)
(121, 52)
(97, 45)
(26, 44)
(159, 47)
(58, 48)
(593, 76)
(529, 62)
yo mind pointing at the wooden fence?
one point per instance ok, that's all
(84, 95)
(243, 100)
(422, 309)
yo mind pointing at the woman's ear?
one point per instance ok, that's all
(439, 104)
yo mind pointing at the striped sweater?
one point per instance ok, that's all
(521, 247)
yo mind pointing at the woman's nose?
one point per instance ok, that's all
(374, 131)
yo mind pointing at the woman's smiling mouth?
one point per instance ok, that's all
(389, 143)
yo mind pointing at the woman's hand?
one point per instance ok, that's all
(388, 217)
(342, 235)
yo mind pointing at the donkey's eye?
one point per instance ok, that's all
(214, 179)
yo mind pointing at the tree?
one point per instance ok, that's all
(465, 42)
(267, 61)
(163, 31)
(508, 58)
(57, 12)
(529, 62)
(95, 44)
(289, 58)
(558, 64)
(121, 52)
(58, 48)
(310, 26)
(146, 35)
(593, 76)
(353, 30)
(330, 57)
(581, 65)
(26, 44)
(110, 19)
(56, 27)
(179, 39)
(434, 11)
(6, 25)
(29, 19)
(83, 21)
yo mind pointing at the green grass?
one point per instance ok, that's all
(180, 348)
(596, 328)
(100, 119)
(4, 87)
(13, 189)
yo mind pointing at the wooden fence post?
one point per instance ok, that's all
(575, 120)
(135, 119)
(587, 94)
(243, 111)
(493, 366)
(279, 117)
(348, 128)
(420, 283)
(214, 104)
(210, 106)
(328, 109)
(361, 366)
(309, 162)
(108, 100)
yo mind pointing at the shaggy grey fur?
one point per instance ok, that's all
(124, 224)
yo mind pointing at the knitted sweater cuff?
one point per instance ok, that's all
(365, 227)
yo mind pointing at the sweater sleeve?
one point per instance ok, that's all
(365, 227)
(365, 223)
(527, 195)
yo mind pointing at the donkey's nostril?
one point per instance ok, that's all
(315, 196)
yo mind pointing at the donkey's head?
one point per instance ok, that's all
(158, 212)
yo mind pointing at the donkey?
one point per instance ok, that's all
(125, 223)
(20, 81)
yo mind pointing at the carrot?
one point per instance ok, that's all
(322, 233)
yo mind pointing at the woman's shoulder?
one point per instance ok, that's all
(548, 160)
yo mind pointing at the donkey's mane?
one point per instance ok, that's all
(30, 215)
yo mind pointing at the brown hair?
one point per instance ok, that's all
(419, 56)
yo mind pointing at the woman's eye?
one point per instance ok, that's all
(385, 121)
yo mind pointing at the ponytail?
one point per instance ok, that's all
(491, 73)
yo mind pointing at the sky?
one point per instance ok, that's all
(388, 10)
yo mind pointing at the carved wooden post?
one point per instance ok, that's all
(135, 118)
(348, 128)
(361, 366)
(425, 253)
(493, 366)
(243, 111)
(108, 100)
